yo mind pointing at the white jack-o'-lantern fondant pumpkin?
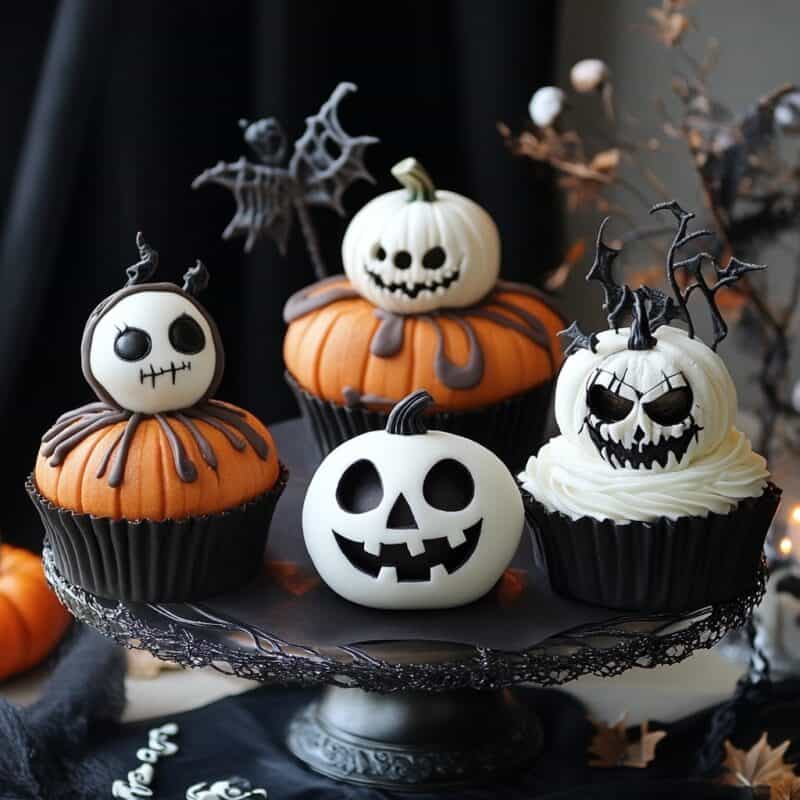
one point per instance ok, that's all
(419, 249)
(409, 518)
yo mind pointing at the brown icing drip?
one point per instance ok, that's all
(388, 338)
(74, 426)
(352, 398)
(303, 302)
(184, 465)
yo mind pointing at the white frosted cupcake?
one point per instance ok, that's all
(650, 498)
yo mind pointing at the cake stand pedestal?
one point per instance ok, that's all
(413, 700)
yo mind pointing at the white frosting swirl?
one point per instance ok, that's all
(565, 478)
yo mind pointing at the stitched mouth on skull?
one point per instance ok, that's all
(438, 554)
(416, 288)
(172, 370)
(643, 455)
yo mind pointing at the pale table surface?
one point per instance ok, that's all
(663, 693)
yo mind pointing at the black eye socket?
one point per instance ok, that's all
(379, 253)
(360, 488)
(186, 335)
(434, 258)
(606, 405)
(448, 486)
(402, 259)
(132, 344)
(672, 407)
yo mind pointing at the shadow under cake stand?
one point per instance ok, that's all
(413, 700)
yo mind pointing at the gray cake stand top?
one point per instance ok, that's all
(287, 627)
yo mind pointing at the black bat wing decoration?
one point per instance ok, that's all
(327, 160)
(263, 196)
(578, 339)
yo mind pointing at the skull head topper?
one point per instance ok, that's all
(151, 347)
(410, 518)
(651, 396)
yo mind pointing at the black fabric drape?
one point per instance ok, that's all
(145, 95)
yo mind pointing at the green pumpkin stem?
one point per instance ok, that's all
(415, 178)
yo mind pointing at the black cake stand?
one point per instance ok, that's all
(412, 699)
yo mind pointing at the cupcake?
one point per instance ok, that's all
(156, 491)
(421, 307)
(650, 499)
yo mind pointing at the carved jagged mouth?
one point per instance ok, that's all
(645, 455)
(172, 369)
(438, 553)
(413, 290)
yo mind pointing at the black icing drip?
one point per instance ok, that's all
(408, 416)
(73, 427)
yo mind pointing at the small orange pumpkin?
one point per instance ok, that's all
(151, 488)
(329, 350)
(31, 619)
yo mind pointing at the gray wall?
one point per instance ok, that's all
(759, 51)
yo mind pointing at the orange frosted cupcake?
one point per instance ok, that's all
(421, 306)
(156, 491)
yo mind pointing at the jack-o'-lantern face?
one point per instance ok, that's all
(656, 409)
(426, 520)
(419, 250)
(151, 349)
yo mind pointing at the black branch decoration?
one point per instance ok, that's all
(693, 267)
(145, 267)
(325, 162)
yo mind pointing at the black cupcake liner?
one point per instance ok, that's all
(168, 561)
(512, 428)
(667, 565)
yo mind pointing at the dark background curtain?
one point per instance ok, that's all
(112, 108)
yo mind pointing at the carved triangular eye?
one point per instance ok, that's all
(607, 405)
(671, 407)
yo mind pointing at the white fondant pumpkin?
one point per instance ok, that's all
(408, 518)
(418, 249)
(654, 409)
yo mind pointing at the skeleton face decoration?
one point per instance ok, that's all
(655, 409)
(417, 250)
(408, 518)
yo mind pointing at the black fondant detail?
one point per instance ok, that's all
(434, 258)
(195, 279)
(402, 259)
(645, 455)
(640, 337)
(360, 488)
(416, 288)
(407, 417)
(578, 339)
(401, 517)
(142, 270)
(448, 486)
(408, 567)
(173, 369)
(132, 344)
(672, 407)
(606, 404)
(186, 335)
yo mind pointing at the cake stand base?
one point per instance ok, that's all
(414, 741)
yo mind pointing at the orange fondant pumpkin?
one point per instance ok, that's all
(151, 488)
(329, 350)
(31, 618)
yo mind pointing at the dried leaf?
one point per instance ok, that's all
(511, 587)
(291, 577)
(606, 161)
(558, 277)
(761, 765)
(786, 788)
(670, 25)
(611, 746)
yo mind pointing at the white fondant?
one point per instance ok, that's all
(131, 383)
(465, 232)
(139, 779)
(718, 470)
(403, 463)
(230, 789)
(777, 621)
